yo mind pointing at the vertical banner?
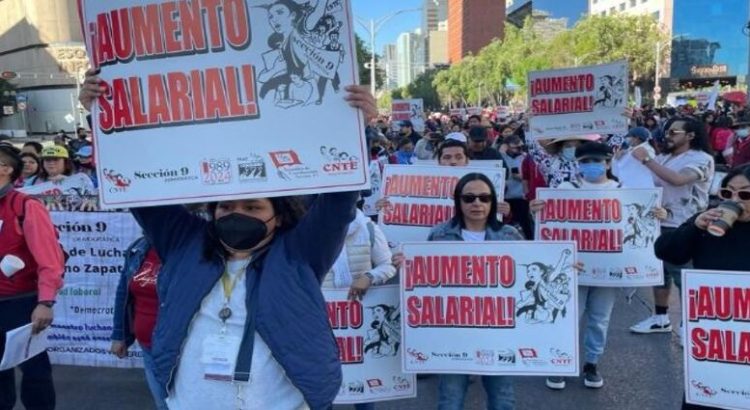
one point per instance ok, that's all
(716, 314)
(581, 100)
(421, 196)
(200, 95)
(369, 337)
(491, 308)
(96, 243)
(615, 231)
(408, 110)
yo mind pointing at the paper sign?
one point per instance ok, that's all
(21, 345)
(408, 110)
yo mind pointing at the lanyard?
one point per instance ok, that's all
(229, 284)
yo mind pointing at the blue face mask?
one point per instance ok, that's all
(569, 153)
(592, 171)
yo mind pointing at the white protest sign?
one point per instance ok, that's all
(376, 183)
(368, 334)
(96, 243)
(581, 100)
(421, 196)
(21, 345)
(615, 231)
(408, 110)
(491, 308)
(76, 184)
(223, 100)
(716, 314)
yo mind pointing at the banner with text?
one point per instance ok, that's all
(408, 110)
(615, 231)
(209, 87)
(716, 314)
(581, 100)
(369, 337)
(490, 308)
(96, 243)
(421, 196)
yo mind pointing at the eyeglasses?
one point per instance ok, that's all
(470, 198)
(728, 193)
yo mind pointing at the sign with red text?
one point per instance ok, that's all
(200, 96)
(408, 110)
(716, 314)
(368, 333)
(615, 231)
(421, 196)
(581, 100)
(491, 308)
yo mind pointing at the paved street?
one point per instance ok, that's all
(641, 373)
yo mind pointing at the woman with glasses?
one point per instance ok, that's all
(692, 240)
(475, 220)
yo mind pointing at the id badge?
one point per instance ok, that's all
(219, 356)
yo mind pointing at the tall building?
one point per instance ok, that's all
(473, 24)
(661, 10)
(410, 54)
(390, 65)
(438, 45)
(550, 16)
(41, 41)
(433, 12)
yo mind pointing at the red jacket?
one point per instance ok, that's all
(35, 243)
(741, 154)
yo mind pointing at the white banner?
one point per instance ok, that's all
(96, 243)
(615, 231)
(581, 100)
(408, 110)
(716, 314)
(421, 196)
(74, 185)
(223, 100)
(376, 184)
(492, 308)
(369, 337)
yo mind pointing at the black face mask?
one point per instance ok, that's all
(241, 232)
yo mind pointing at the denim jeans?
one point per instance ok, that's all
(453, 388)
(37, 388)
(595, 304)
(157, 392)
(364, 406)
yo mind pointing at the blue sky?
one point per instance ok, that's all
(375, 9)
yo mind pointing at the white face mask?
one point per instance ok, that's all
(743, 132)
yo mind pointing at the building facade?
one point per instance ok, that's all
(41, 41)
(390, 65)
(661, 10)
(438, 45)
(549, 15)
(473, 24)
(410, 53)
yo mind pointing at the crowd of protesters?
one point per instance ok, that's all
(198, 276)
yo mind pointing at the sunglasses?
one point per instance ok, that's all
(728, 193)
(470, 198)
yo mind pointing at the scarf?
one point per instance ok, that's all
(358, 234)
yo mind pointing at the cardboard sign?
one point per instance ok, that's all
(491, 308)
(368, 333)
(716, 314)
(581, 100)
(201, 95)
(408, 110)
(615, 231)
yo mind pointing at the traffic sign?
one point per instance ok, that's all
(8, 75)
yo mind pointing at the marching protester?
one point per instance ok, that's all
(475, 220)
(226, 286)
(740, 144)
(84, 162)
(515, 193)
(80, 142)
(727, 252)
(626, 168)
(404, 154)
(407, 131)
(425, 148)
(685, 172)
(32, 271)
(32, 147)
(136, 307)
(32, 167)
(57, 167)
(557, 159)
(594, 303)
(720, 136)
(479, 145)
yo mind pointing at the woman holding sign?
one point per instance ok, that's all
(242, 322)
(475, 220)
(596, 303)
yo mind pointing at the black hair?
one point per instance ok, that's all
(723, 121)
(458, 217)
(36, 159)
(403, 142)
(475, 116)
(450, 143)
(67, 171)
(12, 156)
(743, 170)
(37, 146)
(691, 125)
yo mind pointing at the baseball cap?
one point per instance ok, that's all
(595, 150)
(456, 136)
(85, 151)
(407, 123)
(641, 133)
(55, 151)
(478, 134)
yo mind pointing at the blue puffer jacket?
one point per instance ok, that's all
(123, 316)
(291, 314)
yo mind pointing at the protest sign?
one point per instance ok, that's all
(421, 196)
(716, 314)
(73, 185)
(200, 95)
(408, 110)
(96, 243)
(376, 183)
(458, 112)
(581, 100)
(490, 308)
(368, 334)
(615, 231)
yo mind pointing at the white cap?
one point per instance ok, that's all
(457, 136)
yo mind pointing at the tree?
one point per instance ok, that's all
(422, 87)
(364, 58)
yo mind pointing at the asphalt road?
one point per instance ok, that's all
(641, 372)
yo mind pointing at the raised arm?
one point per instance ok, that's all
(168, 227)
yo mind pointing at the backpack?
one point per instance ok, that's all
(17, 199)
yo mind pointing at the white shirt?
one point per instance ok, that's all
(471, 236)
(682, 202)
(269, 388)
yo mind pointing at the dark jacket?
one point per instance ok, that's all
(122, 322)
(289, 313)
